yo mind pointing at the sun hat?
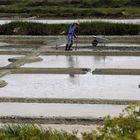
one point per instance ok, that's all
(77, 22)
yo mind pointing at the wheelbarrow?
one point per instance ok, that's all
(96, 40)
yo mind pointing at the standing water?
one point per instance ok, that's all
(72, 86)
(60, 21)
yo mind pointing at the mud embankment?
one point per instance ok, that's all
(68, 101)
(86, 39)
(51, 120)
(2, 83)
(116, 71)
(50, 71)
(95, 53)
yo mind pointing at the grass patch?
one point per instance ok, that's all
(33, 132)
(70, 12)
(72, 8)
(124, 127)
(86, 28)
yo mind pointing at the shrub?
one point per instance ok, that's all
(124, 127)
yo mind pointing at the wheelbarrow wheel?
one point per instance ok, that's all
(94, 43)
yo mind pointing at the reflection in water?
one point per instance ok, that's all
(73, 63)
(81, 86)
(99, 58)
(91, 62)
(74, 79)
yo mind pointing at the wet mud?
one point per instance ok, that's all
(52, 120)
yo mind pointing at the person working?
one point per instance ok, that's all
(71, 35)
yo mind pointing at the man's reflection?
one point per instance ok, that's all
(73, 63)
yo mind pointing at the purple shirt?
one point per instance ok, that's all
(72, 30)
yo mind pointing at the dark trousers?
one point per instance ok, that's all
(70, 42)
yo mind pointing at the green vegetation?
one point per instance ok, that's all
(33, 132)
(70, 8)
(86, 28)
(124, 127)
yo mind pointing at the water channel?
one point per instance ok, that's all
(72, 86)
(87, 61)
(57, 110)
(60, 21)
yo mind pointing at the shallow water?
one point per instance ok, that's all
(59, 21)
(72, 86)
(4, 59)
(89, 45)
(16, 49)
(88, 61)
(57, 110)
(4, 44)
